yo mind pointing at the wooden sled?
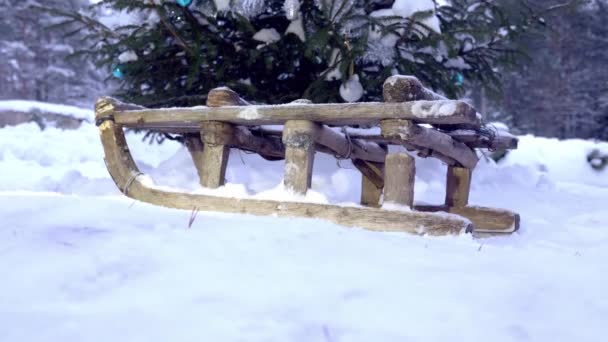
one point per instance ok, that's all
(451, 133)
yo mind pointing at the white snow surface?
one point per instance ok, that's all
(424, 109)
(296, 27)
(128, 56)
(407, 8)
(222, 5)
(81, 262)
(267, 35)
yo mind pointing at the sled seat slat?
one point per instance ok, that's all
(447, 112)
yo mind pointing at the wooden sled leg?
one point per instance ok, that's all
(216, 137)
(372, 182)
(458, 186)
(399, 179)
(134, 184)
(299, 139)
(194, 144)
(371, 195)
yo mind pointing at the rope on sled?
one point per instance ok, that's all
(130, 181)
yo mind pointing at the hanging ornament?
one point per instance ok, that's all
(292, 9)
(118, 72)
(249, 8)
(351, 90)
(184, 3)
(458, 79)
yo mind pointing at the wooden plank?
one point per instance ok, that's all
(374, 172)
(413, 134)
(399, 175)
(485, 220)
(434, 112)
(499, 141)
(371, 195)
(138, 186)
(216, 138)
(372, 182)
(344, 147)
(270, 148)
(299, 140)
(195, 147)
(458, 186)
(471, 138)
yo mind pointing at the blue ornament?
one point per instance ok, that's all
(184, 3)
(118, 72)
(458, 79)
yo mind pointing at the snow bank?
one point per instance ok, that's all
(71, 161)
(29, 106)
(561, 160)
(65, 161)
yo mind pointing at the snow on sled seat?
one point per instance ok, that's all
(452, 132)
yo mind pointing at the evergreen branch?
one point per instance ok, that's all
(79, 17)
(171, 30)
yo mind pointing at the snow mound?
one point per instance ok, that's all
(561, 160)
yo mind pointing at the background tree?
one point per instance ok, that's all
(38, 62)
(170, 53)
(561, 91)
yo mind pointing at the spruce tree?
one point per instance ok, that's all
(561, 90)
(172, 52)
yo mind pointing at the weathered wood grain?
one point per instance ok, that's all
(458, 186)
(371, 195)
(498, 141)
(270, 148)
(471, 138)
(413, 134)
(344, 147)
(216, 137)
(401, 88)
(195, 147)
(400, 172)
(299, 140)
(486, 220)
(374, 172)
(434, 112)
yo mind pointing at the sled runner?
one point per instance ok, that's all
(411, 116)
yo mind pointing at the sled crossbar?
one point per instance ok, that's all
(451, 132)
(432, 112)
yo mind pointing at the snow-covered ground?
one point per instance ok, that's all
(80, 262)
(29, 106)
